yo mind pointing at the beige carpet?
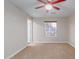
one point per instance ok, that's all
(47, 51)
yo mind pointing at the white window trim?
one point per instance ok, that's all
(46, 31)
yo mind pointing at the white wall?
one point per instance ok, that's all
(72, 31)
(39, 35)
(15, 29)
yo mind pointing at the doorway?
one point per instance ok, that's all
(29, 31)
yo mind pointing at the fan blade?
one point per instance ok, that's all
(55, 2)
(42, 1)
(39, 7)
(56, 8)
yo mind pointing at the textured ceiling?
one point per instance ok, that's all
(67, 8)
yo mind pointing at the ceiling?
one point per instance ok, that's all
(67, 8)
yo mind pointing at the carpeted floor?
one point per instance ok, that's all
(47, 51)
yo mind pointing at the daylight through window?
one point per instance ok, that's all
(50, 28)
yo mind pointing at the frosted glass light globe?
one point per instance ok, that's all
(48, 6)
(49, 0)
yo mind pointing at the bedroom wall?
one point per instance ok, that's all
(39, 33)
(15, 22)
(72, 31)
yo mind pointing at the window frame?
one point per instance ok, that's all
(46, 34)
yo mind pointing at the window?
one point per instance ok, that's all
(50, 28)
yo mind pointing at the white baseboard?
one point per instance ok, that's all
(73, 45)
(50, 42)
(16, 52)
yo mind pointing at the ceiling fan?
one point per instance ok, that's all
(49, 4)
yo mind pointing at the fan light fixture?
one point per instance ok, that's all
(48, 6)
(49, 0)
